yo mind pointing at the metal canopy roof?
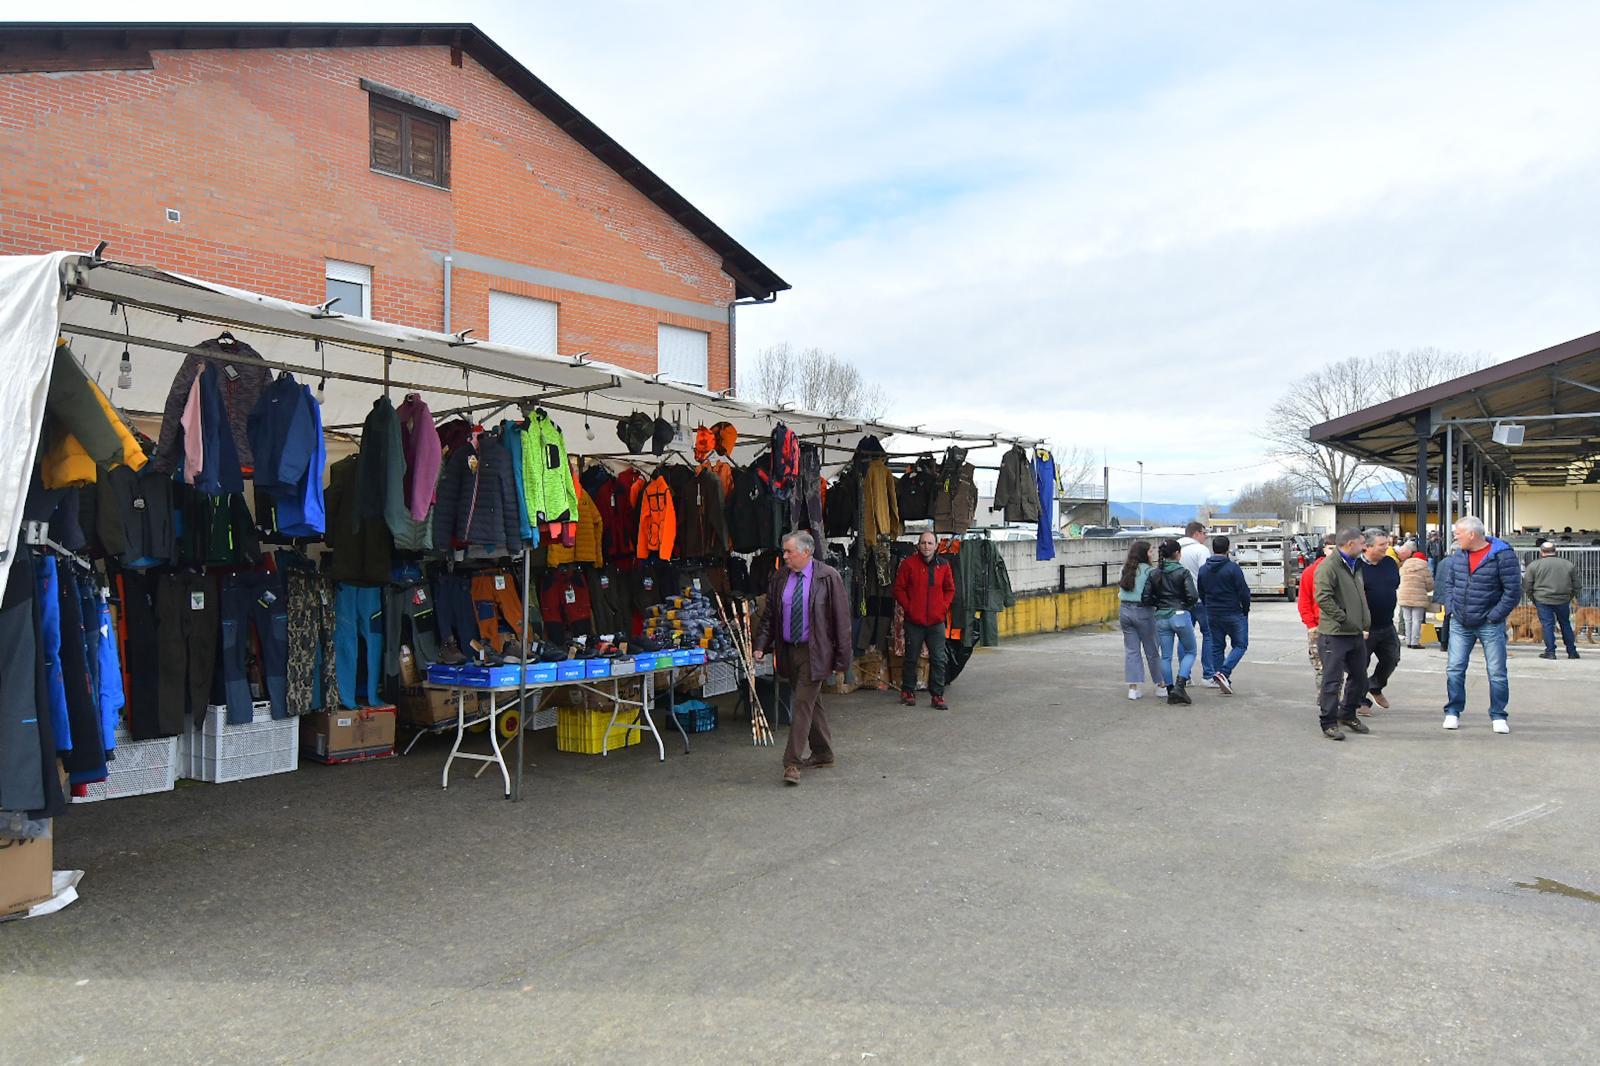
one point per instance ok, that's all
(59, 46)
(1554, 394)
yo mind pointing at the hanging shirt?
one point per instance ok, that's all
(798, 585)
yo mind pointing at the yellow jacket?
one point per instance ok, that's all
(65, 463)
(591, 531)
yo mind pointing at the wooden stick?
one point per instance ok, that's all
(760, 730)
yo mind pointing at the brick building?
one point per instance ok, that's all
(385, 165)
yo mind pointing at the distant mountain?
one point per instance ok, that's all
(1155, 514)
(1379, 492)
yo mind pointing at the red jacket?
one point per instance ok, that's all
(925, 597)
(1310, 614)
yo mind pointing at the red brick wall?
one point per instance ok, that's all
(265, 153)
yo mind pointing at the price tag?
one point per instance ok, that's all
(138, 503)
(697, 584)
(419, 596)
(227, 368)
(571, 595)
(649, 584)
(197, 601)
(605, 581)
(267, 598)
(499, 582)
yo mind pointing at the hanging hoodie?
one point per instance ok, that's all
(419, 444)
(243, 381)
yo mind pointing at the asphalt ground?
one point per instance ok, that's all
(1047, 872)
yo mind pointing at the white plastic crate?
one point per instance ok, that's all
(219, 752)
(720, 678)
(140, 767)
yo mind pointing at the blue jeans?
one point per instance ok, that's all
(256, 602)
(1492, 635)
(358, 635)
(1549, 615)
(1208, 647)
(1177, 627)
(1228, 628)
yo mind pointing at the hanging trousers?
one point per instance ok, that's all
(453, 613)
(21, 783)
(358, 644)
(87, 760)
(136, 590)
(408, 607)
(309, 672)
(495, 601)
(254, 603)
(187, 614)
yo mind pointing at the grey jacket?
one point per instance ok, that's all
(243, 379)
(1550, 579)
(1016, 493)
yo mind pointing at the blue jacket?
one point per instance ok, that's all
(1485, 597)
(221, 476)
(1223, 587)
(285, 429)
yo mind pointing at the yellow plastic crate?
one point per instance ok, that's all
(584, 732)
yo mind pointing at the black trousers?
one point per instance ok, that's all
(88, 752)
(916, 637)
(1383, 643)
(454, 617)
(21, 773)
(1344, 661)
(141, 653)
(188, 612)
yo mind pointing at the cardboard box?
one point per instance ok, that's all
(409, 674)
(344, 735)
(25, 867)
(422, 708)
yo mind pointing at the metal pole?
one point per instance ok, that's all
(1424, 433)
(1141, 491)
(522, 675)
(1105, 480)
(1447, 473)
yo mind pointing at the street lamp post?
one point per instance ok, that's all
(1141, 491)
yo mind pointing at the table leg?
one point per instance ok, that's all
(461, 731)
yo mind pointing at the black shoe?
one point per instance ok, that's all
(1332, 733)
(1180, 688)
(1547, 655)
(1572, 655)
(1355, 725)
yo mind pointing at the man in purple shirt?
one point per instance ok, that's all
(807, 622)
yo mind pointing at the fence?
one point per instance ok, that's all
(1587, 559)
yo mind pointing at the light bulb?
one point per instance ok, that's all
(322, 391)
(125, 371)
(588, 431)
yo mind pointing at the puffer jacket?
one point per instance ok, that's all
(546, 477)
(955, 497)
(1416, 582)
(590, 537)
(1485, 596)
(477, 503)
(1170, 589)
(1016, 493)
(925, 590)
(240, 389)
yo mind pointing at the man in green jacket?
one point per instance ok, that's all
(1342, 635)
(1552, 584)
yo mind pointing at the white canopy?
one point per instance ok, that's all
(103, 308)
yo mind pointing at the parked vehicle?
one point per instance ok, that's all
(1268, 562)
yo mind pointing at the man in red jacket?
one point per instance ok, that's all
(1310, 613)
(924, 588)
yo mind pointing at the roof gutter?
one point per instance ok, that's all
(733, 333)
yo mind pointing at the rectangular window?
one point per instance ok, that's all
(523, 322)
(410, 142)
(352, 284)
(681, 354)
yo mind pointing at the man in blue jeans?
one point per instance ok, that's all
(1226, 596)
(1484, 583)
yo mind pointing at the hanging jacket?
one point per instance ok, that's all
(688, 540)
(587, 543)
(745, 509)
(881, 512)
(477, 502)
(422, 453)
(955, 498)
(362, 547)
(511, 435)
(286, 438)
(83, 431)
(713, 512)
(839, 512)
(221, 474)
(658, 521)
(1016, 492)
(806, 501)
(915, 489)
(783, 460)
(1044, 477)
(243, 381)
(134, 517)
(547, 481)
(381, 491)
(925, 590)
(610, 499)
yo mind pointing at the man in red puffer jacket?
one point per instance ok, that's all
(924, 588)
(1310, 614)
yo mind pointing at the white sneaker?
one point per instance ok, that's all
(1502, 726)
(1452, 721)
(1135, 694)
(1224, 684)
(1211, 682)
(1161, 692)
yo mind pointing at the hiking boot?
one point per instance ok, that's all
(1179, 692)
(512, 651)
(1547, 655)
(939, 704)
(450, 654)
(908, 698)
(1355, 725)
(1332, 733)
(791, 775)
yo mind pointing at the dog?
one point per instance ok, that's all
(1587, 619)
(1523, 624)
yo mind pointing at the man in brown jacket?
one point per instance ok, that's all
(807, 623)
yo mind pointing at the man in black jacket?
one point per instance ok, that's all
(1380, 576)
(1226, 595)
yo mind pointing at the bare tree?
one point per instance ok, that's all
(1341, 388)
(819, 381)
(1276, 496)
(1078, 471)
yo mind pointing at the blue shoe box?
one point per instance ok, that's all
(541, 673)
(490, 676)
(571, 670)
(594, 668)
(689, 657)
(439, 674)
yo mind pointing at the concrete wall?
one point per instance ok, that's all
(1082, 558)
(1558, 508)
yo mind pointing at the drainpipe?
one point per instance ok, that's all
(449, 263)
(733, 362)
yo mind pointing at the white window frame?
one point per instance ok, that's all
(538, 325)
(352, 274)
(684, 355)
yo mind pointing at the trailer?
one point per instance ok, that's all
(1265, 559)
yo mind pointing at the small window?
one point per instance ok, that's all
(681, 354)
(352, 284)
(410, 142)
(523, 322)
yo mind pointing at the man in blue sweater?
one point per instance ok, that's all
(1226, 596)
(1380, 574)
(1482, 583)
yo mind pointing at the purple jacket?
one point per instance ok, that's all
(419, 443)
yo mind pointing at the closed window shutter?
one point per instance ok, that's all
(386, 140)
(425, 151)
(523, 322)
(681, 354)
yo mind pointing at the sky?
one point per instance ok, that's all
(1123, 227)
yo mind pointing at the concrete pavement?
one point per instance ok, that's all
(1048, 872)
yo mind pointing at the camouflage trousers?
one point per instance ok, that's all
(1315, 656)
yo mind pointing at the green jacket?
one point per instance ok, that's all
(1551, 580)
(546, 480)
(1342, 599)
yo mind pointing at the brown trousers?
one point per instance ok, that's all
(807, 722)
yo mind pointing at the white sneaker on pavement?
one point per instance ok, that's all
(1211, 682)
(1161, 692)
(1452, 721)
(1502, 726)
(1135, 694)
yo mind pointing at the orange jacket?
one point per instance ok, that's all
(658, 521)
